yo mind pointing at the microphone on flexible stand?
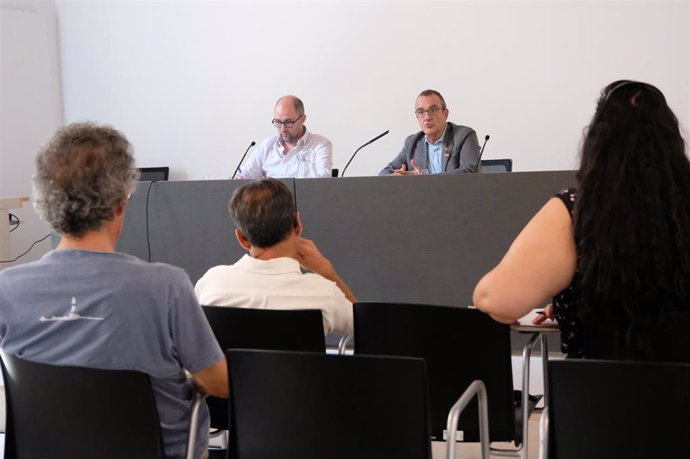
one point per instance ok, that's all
(240, 163)
(481, 152)
(357, 150)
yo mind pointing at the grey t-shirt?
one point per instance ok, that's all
(113, 311)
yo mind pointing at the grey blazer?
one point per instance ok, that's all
(461, 145)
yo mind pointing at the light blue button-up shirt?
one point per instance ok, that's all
(435, 154)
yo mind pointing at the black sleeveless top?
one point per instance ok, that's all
(598, 339)
(564, 302)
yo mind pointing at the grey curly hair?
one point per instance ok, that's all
(82, 174)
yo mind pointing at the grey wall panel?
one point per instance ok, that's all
(196, 229)
(188, 224)
(408, 239)
(421, 239)
(133, 237)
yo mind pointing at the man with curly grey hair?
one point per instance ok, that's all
(84, 304)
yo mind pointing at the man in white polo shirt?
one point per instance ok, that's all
(269, 276)
(294, 151)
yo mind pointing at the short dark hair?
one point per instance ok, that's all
(433, 92)
(264, 210)
(81, 176)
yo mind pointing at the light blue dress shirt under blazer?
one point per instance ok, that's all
(435, 154)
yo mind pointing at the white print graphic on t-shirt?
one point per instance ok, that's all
(72, 315)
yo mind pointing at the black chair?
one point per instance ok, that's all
(496, 165)
(292, 330)
(614, 409)
(292, 405)
(60, 412)
(459, 346)
(149, 174)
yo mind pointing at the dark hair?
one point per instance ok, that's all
(632, 217)
(81, 176)
(432, 92)
(264, 210)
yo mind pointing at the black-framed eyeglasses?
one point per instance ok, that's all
(433, 111)
(286, 123)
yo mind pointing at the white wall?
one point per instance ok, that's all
(30, 108)
(192, 83)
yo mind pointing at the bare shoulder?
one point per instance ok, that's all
(540, 263)
(553, 214)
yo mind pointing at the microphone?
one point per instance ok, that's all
(481, 152)
(240, 163)
(357, 150)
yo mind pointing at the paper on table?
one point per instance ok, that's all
(530, 316)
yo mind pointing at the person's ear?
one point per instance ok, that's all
(244, 243)
(298, 224)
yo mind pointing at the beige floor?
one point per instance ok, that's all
(472, 450)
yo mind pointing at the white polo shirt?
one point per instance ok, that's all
(275, 284)
(311, 157)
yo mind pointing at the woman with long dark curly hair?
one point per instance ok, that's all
(614, 254)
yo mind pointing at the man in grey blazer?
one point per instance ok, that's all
(440, 147)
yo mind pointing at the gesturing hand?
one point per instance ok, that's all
(416, 169)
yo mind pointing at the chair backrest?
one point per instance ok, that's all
(496, 165)
(289, 330)
(626, 410)
(69, 412)
(459, 345)
(295, 405)
(149, 174)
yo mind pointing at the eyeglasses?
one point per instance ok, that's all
(286, 123)
(433, 111)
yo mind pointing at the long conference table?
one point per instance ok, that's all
(424, 239)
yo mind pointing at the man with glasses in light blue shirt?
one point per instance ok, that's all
(294, 151)
(440, 147)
